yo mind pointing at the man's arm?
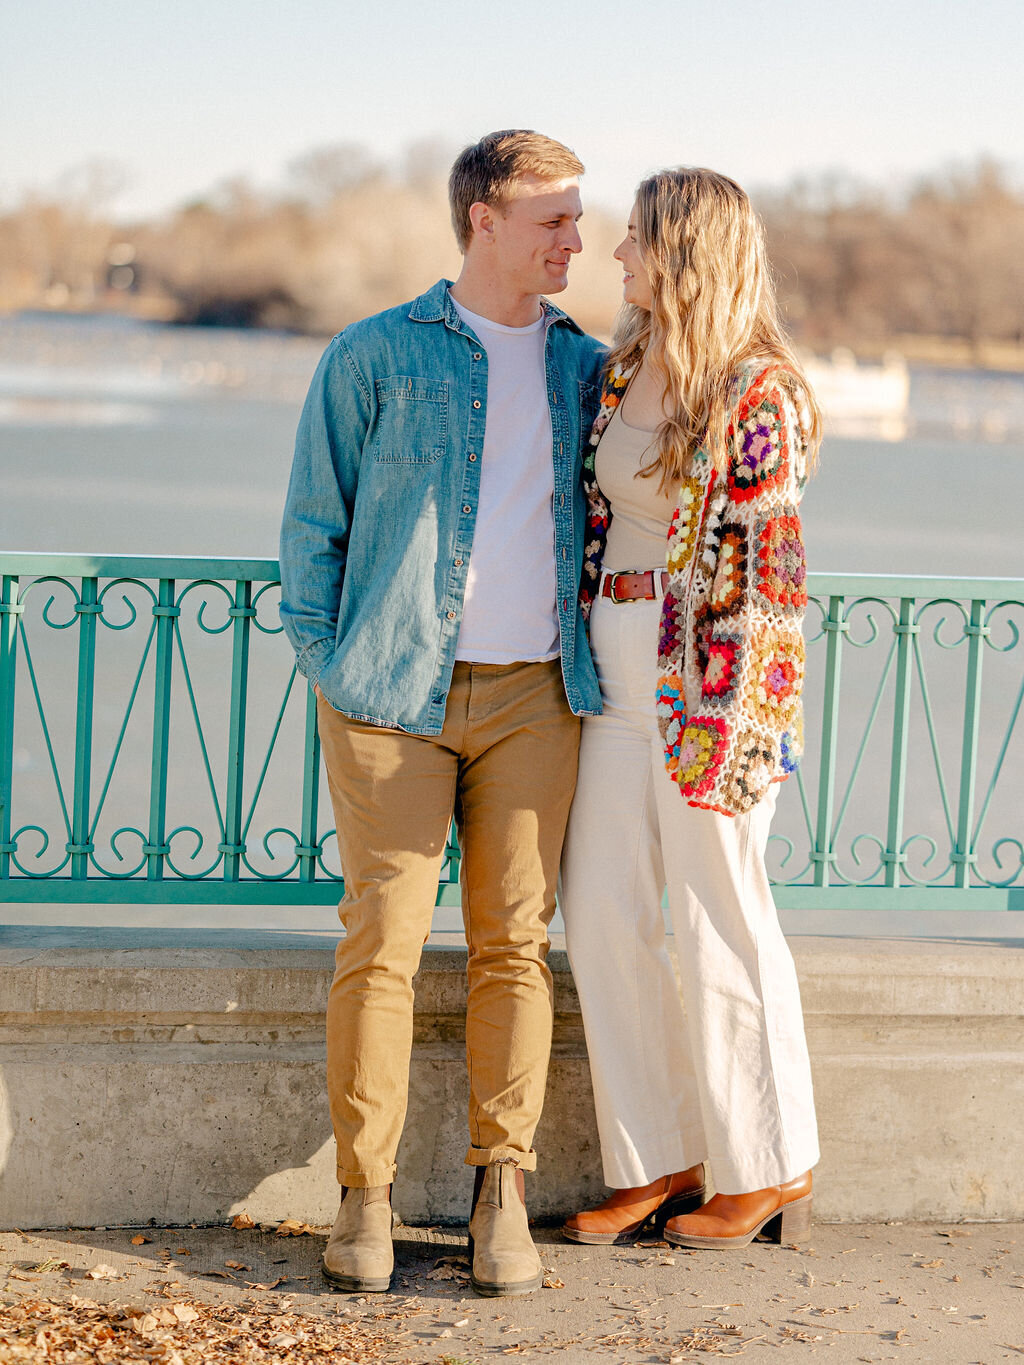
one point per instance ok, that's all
(318, 508)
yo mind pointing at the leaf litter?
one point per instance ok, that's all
(188, 1332)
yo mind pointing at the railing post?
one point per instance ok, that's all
(243, 611)
(165, 612)
(10, 609)
(309, 849)
(81, 845)
(963, 855)
(905, 631)
(823, 855)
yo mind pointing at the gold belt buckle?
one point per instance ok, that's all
(623, 573)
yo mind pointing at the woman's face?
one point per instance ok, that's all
(636, 285)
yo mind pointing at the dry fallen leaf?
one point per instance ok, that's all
(139, 1240)
(553, 1282)
(51, 1264)
(450, 1268)
(292, 1227)
(242, 1222)
(237, 1265)
(102, 1272)
(931, 1265)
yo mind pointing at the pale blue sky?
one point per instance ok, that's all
(186, 94)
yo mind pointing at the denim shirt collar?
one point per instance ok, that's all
(436, 306)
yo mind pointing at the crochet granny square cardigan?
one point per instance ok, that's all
(731, 654)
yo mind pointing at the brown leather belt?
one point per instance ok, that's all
(629, 586)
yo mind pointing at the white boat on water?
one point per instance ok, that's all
(861, 401)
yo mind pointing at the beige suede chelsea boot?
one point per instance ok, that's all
(360, 1255)
(501, 1251)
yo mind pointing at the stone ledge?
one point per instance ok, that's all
(180, 1078)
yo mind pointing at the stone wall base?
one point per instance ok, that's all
(180, 1080)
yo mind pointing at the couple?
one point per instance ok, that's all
(474, 477)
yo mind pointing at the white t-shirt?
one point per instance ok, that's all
(510, 610)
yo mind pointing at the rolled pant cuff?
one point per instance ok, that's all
(367, 1180)
(488, 1156)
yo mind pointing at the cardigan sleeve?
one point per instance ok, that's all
(597, 512)
(745, 652)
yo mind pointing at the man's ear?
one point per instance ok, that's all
(481, 218)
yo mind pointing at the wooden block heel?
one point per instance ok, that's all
(791, 1224)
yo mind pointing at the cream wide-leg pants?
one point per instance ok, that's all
(718, 1072)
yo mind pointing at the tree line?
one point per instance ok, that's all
(346, 236)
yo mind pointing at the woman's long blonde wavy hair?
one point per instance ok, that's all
(713, 311)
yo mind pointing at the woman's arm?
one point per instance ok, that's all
(743, 650)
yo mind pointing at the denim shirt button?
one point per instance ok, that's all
(476, 402)
(477, 355)
(458, 563)
(450, 615)
(466, 508)
(472, 455)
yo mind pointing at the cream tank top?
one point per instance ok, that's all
(641, 515)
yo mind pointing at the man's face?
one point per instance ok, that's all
(537, 235)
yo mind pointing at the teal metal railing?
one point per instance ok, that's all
(157, 745)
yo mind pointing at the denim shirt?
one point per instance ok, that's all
(381, 508)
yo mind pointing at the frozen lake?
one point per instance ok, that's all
(121, 437)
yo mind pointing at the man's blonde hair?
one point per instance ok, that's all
(487, 172)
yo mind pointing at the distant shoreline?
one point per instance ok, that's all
(954, 353)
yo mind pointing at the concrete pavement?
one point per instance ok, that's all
(922, 1294)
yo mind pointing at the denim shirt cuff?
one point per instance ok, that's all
(310, 661)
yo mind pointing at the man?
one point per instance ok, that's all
(430, 556)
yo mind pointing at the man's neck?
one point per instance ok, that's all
(494, 299)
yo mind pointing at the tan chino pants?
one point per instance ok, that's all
(505, 764)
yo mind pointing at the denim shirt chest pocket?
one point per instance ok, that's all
(412, 420)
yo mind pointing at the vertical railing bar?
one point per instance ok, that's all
(823, 855)
(862, 747)
(165, 610)
(34, 684)
(187, 675)
(257, 790)
(964, 855)
(98, 811)
(802, 789)
(10, 608)
(933, 739)
(242, 611)
(309, 848)
(1000, 759)
(80, 845)
(905, 631)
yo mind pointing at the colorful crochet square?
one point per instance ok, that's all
(670, 708)
(701, 750)
(682, 534)
(780, 578)
(729, 588)
(725, 663)
(791, 744)
(670, 638)
(749, 772)
(774, 679)
(759, 450)
(703, 625)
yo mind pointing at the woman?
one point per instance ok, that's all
(702, 445)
